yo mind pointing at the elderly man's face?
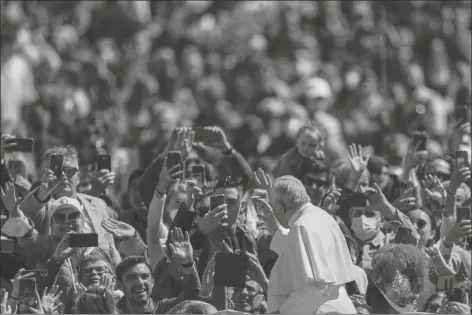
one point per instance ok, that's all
(66, 220)
(249, 299)
(93, 271)
(70, 177)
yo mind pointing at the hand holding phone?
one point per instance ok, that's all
(27, 292)
(198, 173)
(83, 240)
(420, 140)
(403, 236)
(464, 213)
(174, 158)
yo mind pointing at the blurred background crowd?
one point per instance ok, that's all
(119, 76)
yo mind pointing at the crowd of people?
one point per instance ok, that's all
(220, 156)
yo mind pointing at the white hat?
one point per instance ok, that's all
(62, 203)
(318, 88)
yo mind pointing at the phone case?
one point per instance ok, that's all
(462, 159)
(455, 295)
(216, 201)
(83, 240)
(103, 162)
(56, 162)
(420, 139)
(230, 270)
(25, 145)
(7, 246)
(403, 236)
(198, 172)
(173, 158)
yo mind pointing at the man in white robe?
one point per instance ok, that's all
(314, 261)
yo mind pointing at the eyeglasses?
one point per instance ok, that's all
(70, 171)
(99, 271)
(61, 218)
(420, 223)
(368, 213)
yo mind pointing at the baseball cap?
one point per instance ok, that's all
(318, 88)
(65, 202)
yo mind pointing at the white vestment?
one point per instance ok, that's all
(314, 264)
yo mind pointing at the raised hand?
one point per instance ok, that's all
(356, 159)
(219, 137)
(440, 264)
(404, 203)
(460, 229)
(180, 246)
(330, 202)
(5, 308)
(208, 279)
(119, 229)
(266, 213)
(9, 199)
(458, 177)
(256, 271)
(262, 180)
(50, 299)
(39, 307)
(63, 250)
(108, 281)
(168, 177)
(214, 219)
(412, 158)
(193, 193)
(101, 180)
(49, 182)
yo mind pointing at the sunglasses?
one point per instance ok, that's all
(61, 218)
(368, 213)
(99, 271)
(70, 171)
(420, 223)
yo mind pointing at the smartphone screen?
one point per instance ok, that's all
(199, 134)
(83, 240)
(420, 140)
(7, 245)
(56, 163)
(202, 211)
(462, 159)
(21, 144)
(455, 295)
(173, 158)
(27, 291)
(216, 201)
(198, 173)
(463, 214)
(230, 270)
(403, 236)
(103, 162)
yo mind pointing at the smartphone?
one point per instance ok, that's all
(446, 283)
(15, 168)
(455, 295)
(462, 159)
(403, 236)
(56, 163)
(40, 276)
(27, 291)
(420, 139)
(230, 270)
(352, 288)
(83, 240)
(464, 213)
(103, 162)
(21, 144)
(198, 173)
(461, 114)
(7, 245)
(173, 158)
(216, 201)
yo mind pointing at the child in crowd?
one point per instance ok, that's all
(309, 144)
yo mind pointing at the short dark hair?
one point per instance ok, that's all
(128, 263)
